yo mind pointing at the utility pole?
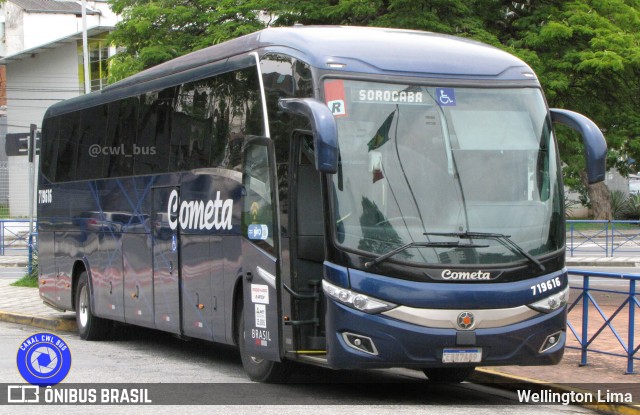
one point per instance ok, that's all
(31, 153)
(85, 49)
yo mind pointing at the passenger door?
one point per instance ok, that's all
(260, 252)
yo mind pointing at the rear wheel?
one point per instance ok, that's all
(259, 370)
(90, 327)
(448, 374)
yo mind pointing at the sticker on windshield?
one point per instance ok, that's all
(388, 96)
(335, 97)
(446, 97)
(260, 232)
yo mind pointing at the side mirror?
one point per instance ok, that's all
(325, 130)
(594, 143)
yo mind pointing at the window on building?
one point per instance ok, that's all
(98, 63)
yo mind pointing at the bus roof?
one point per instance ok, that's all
(347, 49)
(360, 49)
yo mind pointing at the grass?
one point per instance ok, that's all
(29, 280)
(4, 211)
(26, 281)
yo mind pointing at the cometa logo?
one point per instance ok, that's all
(447, 274)
(198, 214)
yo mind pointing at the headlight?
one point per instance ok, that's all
(355, 300)
(552, 303)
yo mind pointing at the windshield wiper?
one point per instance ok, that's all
(504, 240)
(421, 245)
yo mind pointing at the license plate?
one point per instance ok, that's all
(461, 355)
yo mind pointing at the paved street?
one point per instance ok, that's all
(144, 356)
(138, 355)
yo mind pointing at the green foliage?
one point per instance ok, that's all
(585, 52)
(569, 205)
(618, 204)
(625, 207)
(154, 31)
(633, 207)
(123, 65)
(29, 279)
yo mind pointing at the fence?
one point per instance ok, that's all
(14, 237)
(612, 315)
(14, 191)
(600, 237)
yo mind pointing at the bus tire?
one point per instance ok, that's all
(448, 374)
(259, 370)
(90, 327)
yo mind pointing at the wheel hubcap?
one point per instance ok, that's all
(84, 304)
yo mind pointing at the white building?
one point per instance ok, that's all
(25, 24)
(42, 49)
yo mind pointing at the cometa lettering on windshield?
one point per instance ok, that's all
(381, 95)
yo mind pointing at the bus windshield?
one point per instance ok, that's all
(429, 166)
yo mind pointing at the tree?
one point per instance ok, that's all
(587, 55)
(585, 52)
(154, 31)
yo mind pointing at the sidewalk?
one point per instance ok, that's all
(600, 261)
(23, 306)
(13, 261)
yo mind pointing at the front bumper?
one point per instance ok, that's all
(401, 344)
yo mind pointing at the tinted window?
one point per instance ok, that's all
(121, 137)
(198, 124)
(194, 122)
(237, 113)
(49, 153)
(91, 158)
(284, 77)
(154, 132)
(67, 147)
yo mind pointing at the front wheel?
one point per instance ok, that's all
(259, 370)
(90, 327)
(448, 374)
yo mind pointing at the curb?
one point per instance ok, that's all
(510, 382)
(50, 323)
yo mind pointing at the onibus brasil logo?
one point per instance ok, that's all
(44, 359)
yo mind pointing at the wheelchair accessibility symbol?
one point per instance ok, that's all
(446, 97)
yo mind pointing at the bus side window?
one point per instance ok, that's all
(153, 132)
(193, 124)
(67, 147)
(257, 209)
(49, 148)
(166, 98)
(121, 137)
(90, 162)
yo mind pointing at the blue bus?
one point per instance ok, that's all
(339, 196)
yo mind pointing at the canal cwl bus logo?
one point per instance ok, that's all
(455, 276)
(198, 214)
(43, 359)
